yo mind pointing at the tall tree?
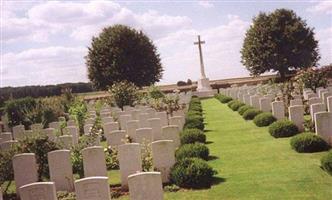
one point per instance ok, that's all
(122, 53)
(279, 41)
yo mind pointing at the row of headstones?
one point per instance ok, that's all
(70, 134)
(94, 164)
(320, 106)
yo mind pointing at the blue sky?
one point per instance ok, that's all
(44, 42)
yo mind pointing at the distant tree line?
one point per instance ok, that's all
(42, 91)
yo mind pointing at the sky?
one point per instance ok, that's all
(44, 42)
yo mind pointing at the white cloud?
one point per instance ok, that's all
(48, 65)
(324, 37)
(205, 4)
(220, 51)
(321, 7)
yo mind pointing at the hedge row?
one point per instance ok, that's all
(191, 169)
(304, 142)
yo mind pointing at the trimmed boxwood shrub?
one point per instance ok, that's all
(191, 113)
(251, 114)
(192, 173)
(308, 142)
(283, 128)
(236, 105)
(196, 150)
(189, 136)
(229, 104)
(264, 119)
(326, 162)
(244, 108)
(194, 122)
(224, 98)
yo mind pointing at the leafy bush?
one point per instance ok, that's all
(326, 162)
(111, 155)
(223, 98)
(244, 108)
(264, 119)
(197, 150)
(15, 111)
(40, 146)
(155, 92)
(192, 173)
(308, 142)
(189, 136)
(124, 93)
(193, 113)
(6, 166)
(236, 105)
(171, 188)
(194, 122)
(79, 110)
(229, 104)
(251, 114)
(283, 128)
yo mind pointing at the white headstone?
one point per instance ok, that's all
(94, 162)
(171, 132)
(296, 115)
(92, 188)
(38, 191)
(155, 124)
(145, 186)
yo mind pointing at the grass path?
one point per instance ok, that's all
(254, 165)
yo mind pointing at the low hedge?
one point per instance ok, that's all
(251, 114)
(236, 105)
(308, 142)
(194, 122)
(243, 109)
(326, 162)
(224, 98)
(264, 119)
(192, 173)
(189, 136)
(196, 150)
(283, 128)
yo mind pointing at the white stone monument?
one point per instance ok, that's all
(203, 84)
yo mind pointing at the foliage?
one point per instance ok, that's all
(326, 162)
(79, 110)
(197, 150)
(15, 111)
(122, 53)
(308, 142)
(313, 78)
(192, 173)
(264, 119)
(244, 108)
(155, 93)
(279, 41)
(147, 164)
(251, 114)
(171, 188)
(124, 93)
(62, 195)
(6, 167)
(189, 136)
(235, 104)
(40, 146)
(283, 128)
(194, 122)
(111, 155)
(223, 98)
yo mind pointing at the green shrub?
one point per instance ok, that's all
(236, 105)
(189, 136)
(155, 93)
(326, 162)
(230, 103)
(191, 113)
(15, 110)
(124, 93)
(79, 111)
(192, 173)
(251, 114)
(264, 119)
(194, 122)
(308, 142)
(40, 146)
(224, 98)
(197, 150)
(283, 128)
(244, 108)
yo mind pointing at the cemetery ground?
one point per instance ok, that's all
(251, 164)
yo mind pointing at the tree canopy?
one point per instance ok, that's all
(122, 53)
(279, 41)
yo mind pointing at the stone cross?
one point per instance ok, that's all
(201, 55)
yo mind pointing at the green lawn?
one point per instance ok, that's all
(254, 165)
